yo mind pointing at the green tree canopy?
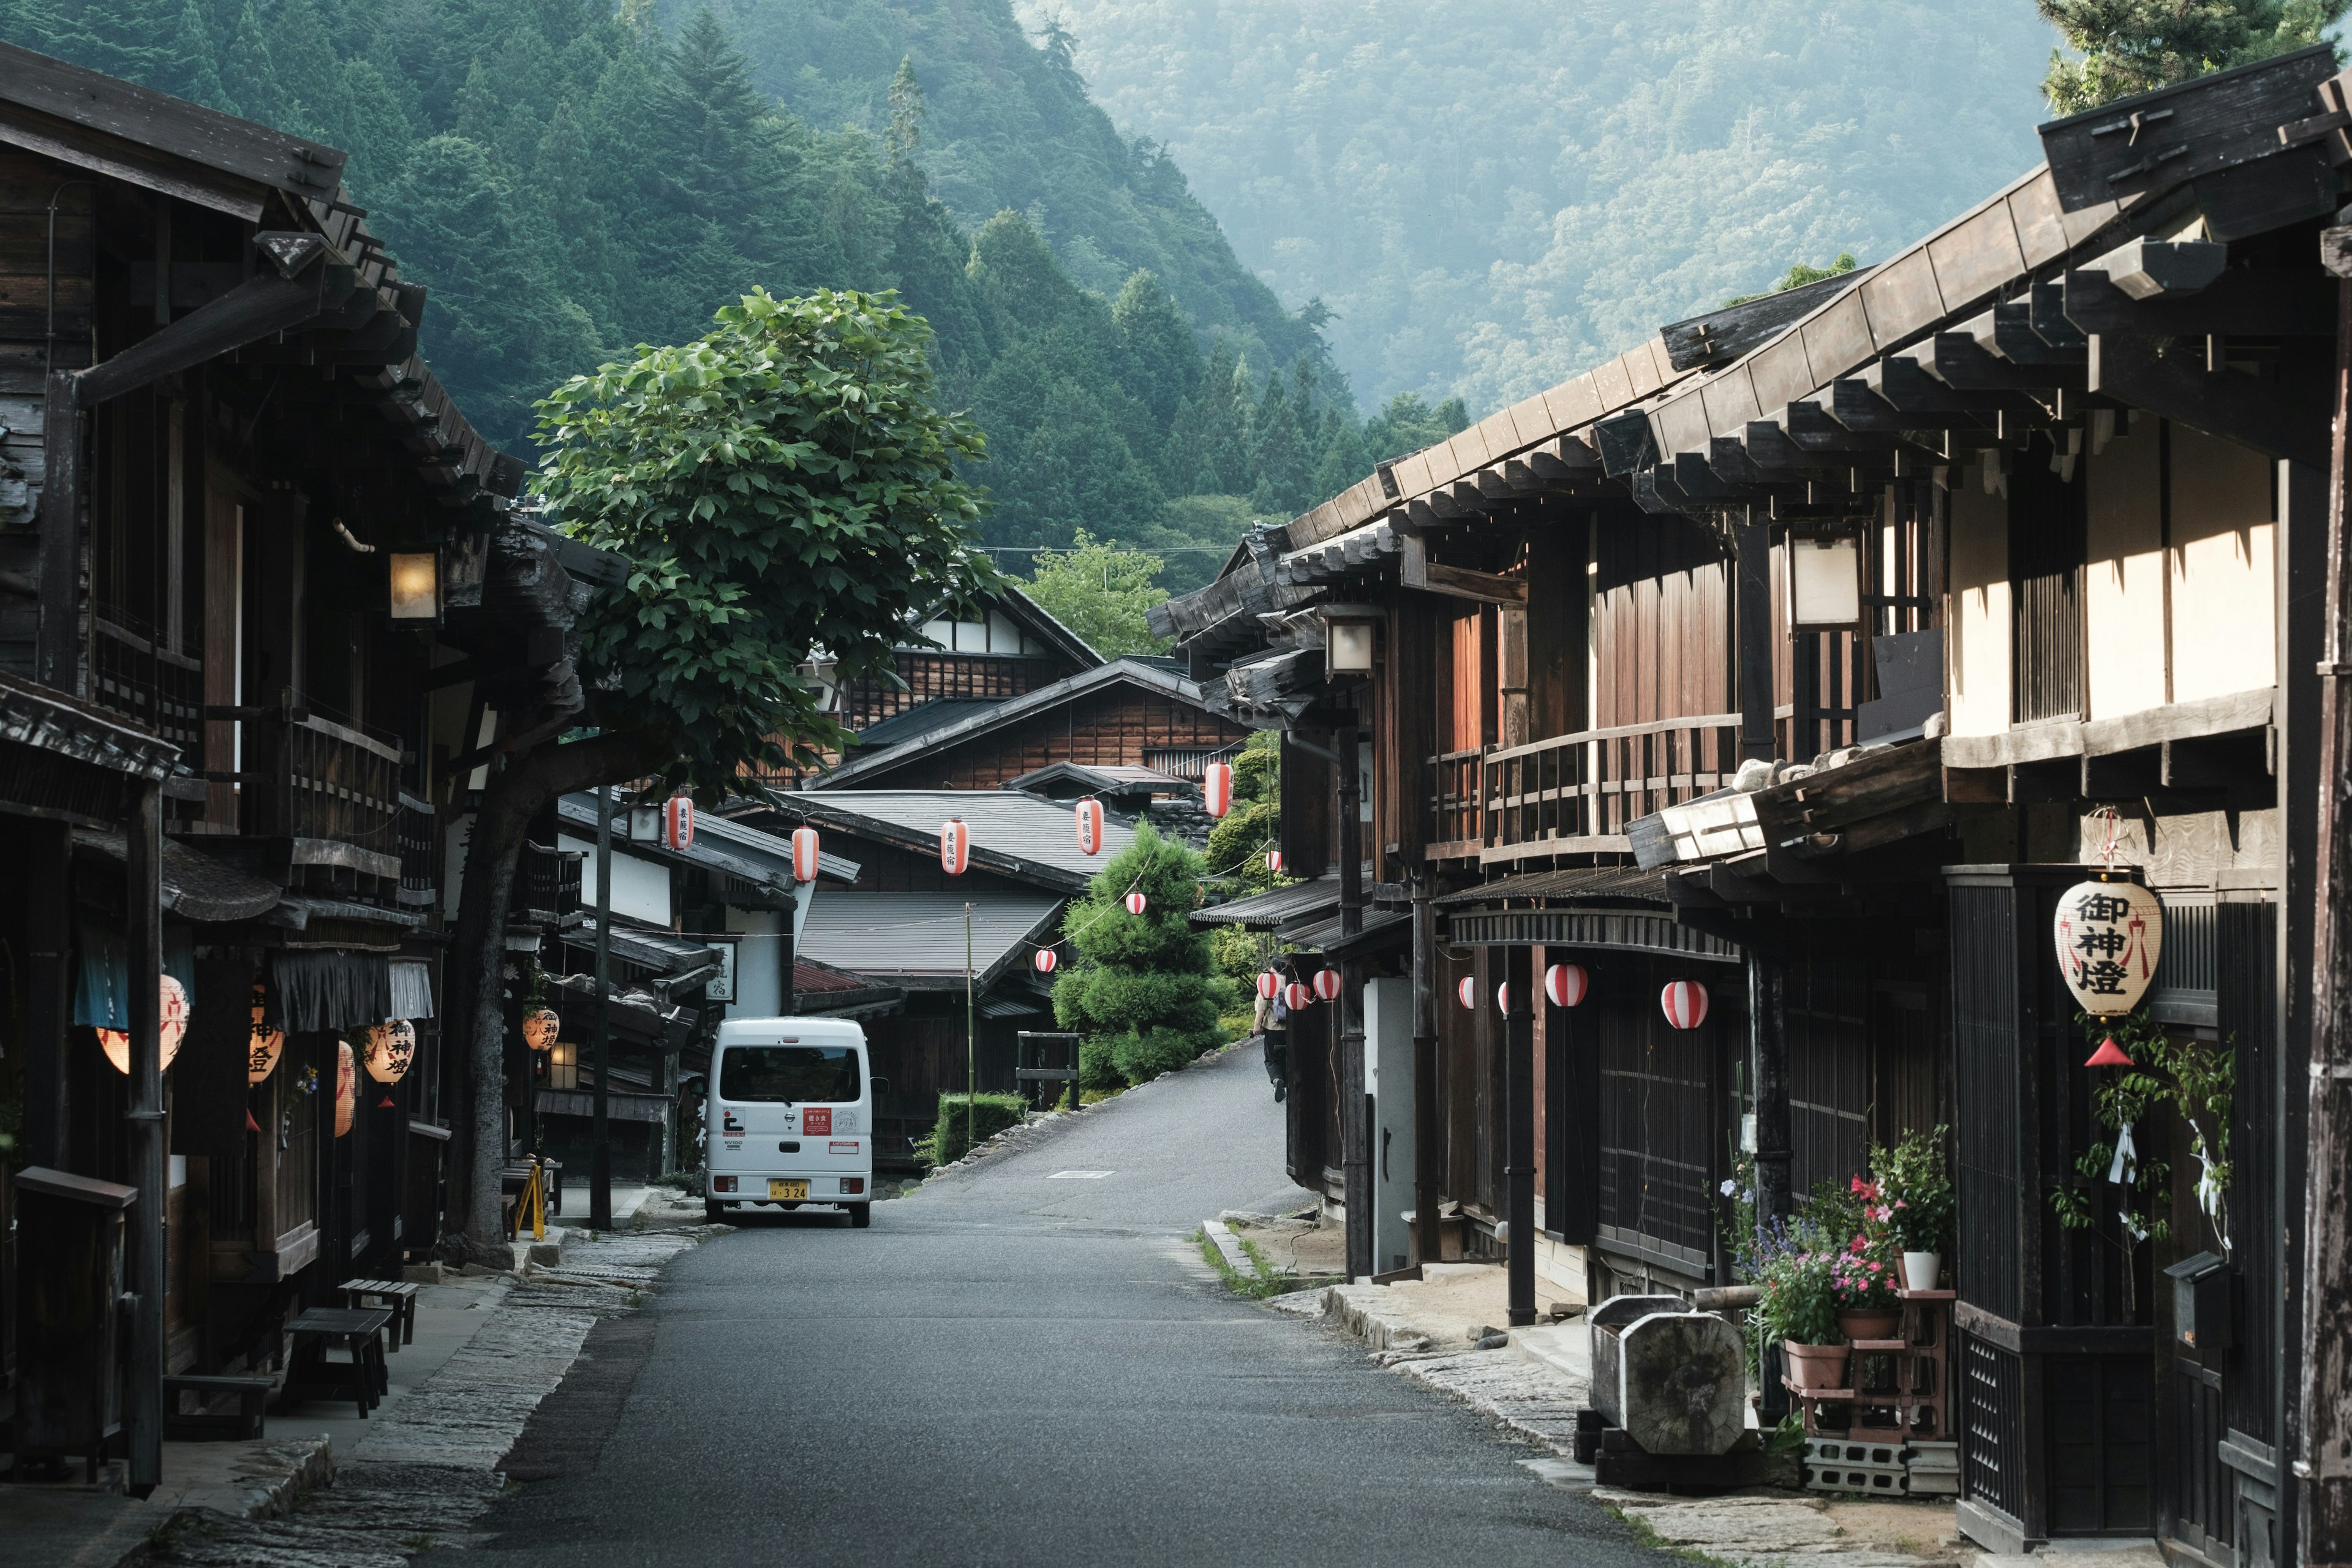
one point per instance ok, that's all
(2135, 46)
(1101, 592)
(782, 485)
(1144, 991)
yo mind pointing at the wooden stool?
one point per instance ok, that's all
(397, 1297)
(364, 1379)
(246, 1423)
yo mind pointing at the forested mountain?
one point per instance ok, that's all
(570, 182)
(1491, 197)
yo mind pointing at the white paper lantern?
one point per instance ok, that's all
(1090, 825)
(1467, 991)
(677, 822)
(263, 1045)
(1135, 902)
(1566, 984)
(804, 854)
(173, 1012)
(1217, 788)
(1327, 985)
(1269, 984)
(955, 847)
(1684, 1003)
(392, 1046)
(1297, 996)
(2110, 936)
(1046, 961)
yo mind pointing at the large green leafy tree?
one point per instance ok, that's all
(1145, 992)
(2134, 46)
(783, 485)
(1100, 592)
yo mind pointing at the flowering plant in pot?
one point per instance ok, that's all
(1798, 1303)
(1865, 1277)
(1918, 1192)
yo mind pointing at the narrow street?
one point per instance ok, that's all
(1018, 1363)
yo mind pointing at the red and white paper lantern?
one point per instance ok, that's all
(955, 847)
(1217, 788)
(1327, 985)
(1273, 860)
(1503, 998)
(1296, 996)
(677, 822)
(1090, 825)
(1135, 902)
(1269, 984)
(1684, 1003)
(804, 854)
(1045, 959)
(1468, 992)
(171, 1013)
(1566, 984)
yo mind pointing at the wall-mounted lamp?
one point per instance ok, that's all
(1350, 636)
(822, 670)
(1824, 582)
(417, 587)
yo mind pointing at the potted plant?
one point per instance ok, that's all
(1798, 1303)
(1863, 1275)
(1917, 1193)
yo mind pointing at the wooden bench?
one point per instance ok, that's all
(397, 1297)
(245, 1421)
(364, 1379)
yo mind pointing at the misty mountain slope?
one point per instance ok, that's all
(1491, 196)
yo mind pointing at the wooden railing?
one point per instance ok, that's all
(149, 684)
(302, 776)
(1574, 793)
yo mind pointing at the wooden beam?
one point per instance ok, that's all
(254, 309)
(56, 660)
(2245, 302)
(1727, 333)
(1416, 570)
(2164, 378)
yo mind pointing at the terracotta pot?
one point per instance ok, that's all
(1815, 1366)
(1873, 1325)
(1922, 1269)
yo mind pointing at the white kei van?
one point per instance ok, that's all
(790, 1116)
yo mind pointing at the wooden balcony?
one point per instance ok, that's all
(325, 796)
(133, 674)
(1573, 794)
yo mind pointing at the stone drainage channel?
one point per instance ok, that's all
(431, 1463)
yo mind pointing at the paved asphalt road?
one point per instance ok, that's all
(1017, 1366)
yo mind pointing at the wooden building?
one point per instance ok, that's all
(266, 603)
(1807, 652)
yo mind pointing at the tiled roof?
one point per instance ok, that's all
(918, 939)
(1012, 833)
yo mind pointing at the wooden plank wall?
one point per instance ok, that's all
(1663, 640)
(1108, 728)
(869, 699)
(27, 185)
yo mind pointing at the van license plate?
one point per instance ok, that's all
(786, 1190)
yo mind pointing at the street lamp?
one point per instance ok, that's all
(1824, 582)
(1351, 633)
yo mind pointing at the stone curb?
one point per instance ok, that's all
(1230, 1247)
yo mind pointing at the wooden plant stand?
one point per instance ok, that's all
(1913, 1403)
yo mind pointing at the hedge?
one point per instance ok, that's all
(953, 1137)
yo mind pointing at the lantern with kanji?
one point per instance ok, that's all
(1297, 996)
(1090, 825)
(1327, 985)
(804, 854)
(955, 847)
(347, 1087)
(1467, 991)
(2110, 935)
(1046, 961)
(1269, 984)
(264, 1044)
(1683, 1002)
(1135, 902)
(171, 1012)
(1217, 788)
(1566, 984)
(541, 1026)
(677, 822)
(391, 1046)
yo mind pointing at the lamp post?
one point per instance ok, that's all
(600, 1167)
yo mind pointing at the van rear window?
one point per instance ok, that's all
(789, 1073)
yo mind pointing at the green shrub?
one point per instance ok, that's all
(1144, 991)
(966, 1118)
(1142, 1057)
(1098, 1069)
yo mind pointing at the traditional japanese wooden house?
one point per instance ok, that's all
(263, 602)
(1805, 653)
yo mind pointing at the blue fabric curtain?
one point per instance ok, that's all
(102, 972)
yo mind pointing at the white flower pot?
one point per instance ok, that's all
(1920, 1269)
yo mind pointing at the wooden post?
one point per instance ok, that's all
(2321, 1461)
(1768, 1056)
(600, 1124)
(1427, 1132)
(1519, 1169)
(1355, 1104)
(44, 854)
(143, 914)
(1752, 620)
(57, 656)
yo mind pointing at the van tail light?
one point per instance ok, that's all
(722, 1183)
(853, 1184)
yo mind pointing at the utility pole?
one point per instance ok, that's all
(600, 1168)
(1519, 1135)
(1355, 1104)
(970, 1042)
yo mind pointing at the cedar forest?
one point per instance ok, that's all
(571, 181)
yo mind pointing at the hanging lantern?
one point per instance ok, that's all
(804, 854)
(171, 1012)
(1327, 984)
(1090, 825)
(392, 1046)
(347, 1087)
(1503, 998)
(1046, 961)
(1134, 902)
(677, 822)
(1273, 860)
(540, 1027)
(955, 847)
(1685, 1003)
(2109, 1054)
(1217, 788)
(1297, 996)
(1566, 984)
(2110, 934)
(1468, 992)
(1269, 984)
(264, 1044)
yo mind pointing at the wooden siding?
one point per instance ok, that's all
(1112, 727)
(869, 699)
(1662, 625)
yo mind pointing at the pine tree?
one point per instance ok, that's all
(2134, 46)
(376, 132)
(187, 68)
(1156, 360)
(1278, 460)
(479, 110)
(256, 76)
(908, 110)
(1144, 991)
(309, 77)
